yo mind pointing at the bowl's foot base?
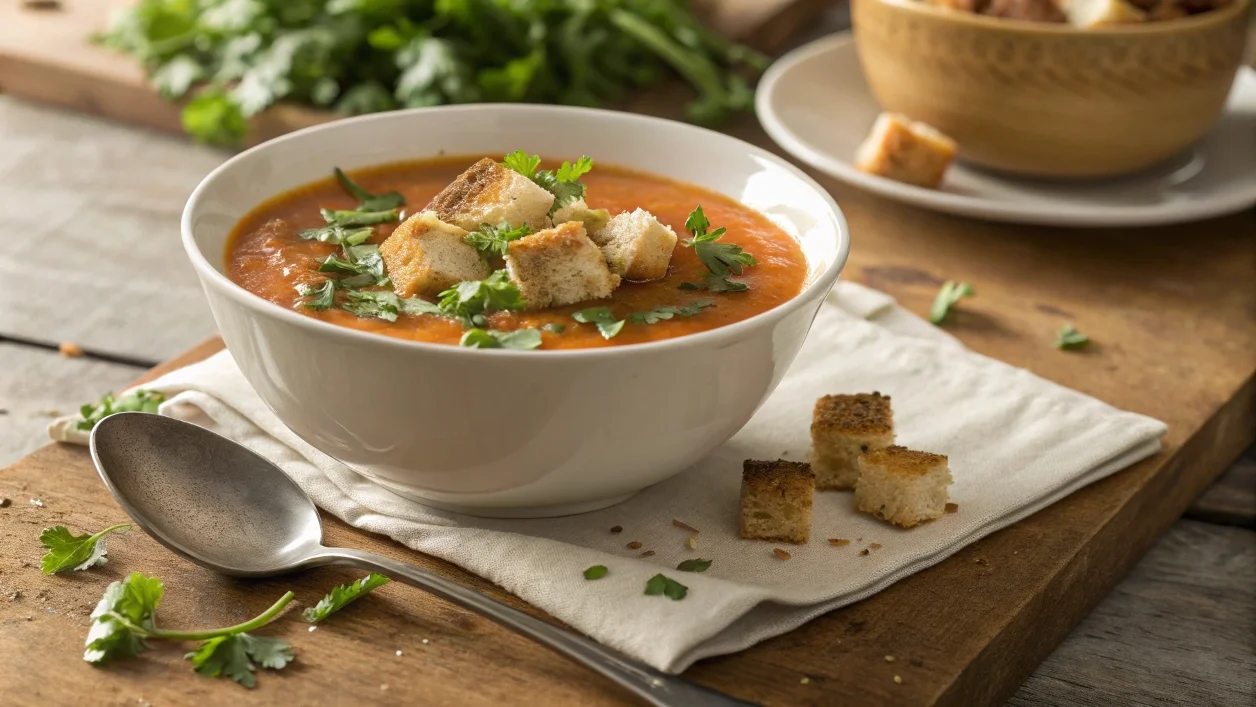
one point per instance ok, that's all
(562, 509)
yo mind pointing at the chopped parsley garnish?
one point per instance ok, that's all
(137, 401)
(596, 572)
(125, 619)
(468, 300)
(948, 296)
(659, 584)
(366, 200)
(605, 320)
(554, 328)
(342, 596)
(363, 265)
(346, 227)
(321, 297)
(654, 316)
(698, 565)
(493, 339)
(1070, 338)
(494, 240)
(385, 304)
(564, 183)
(720, 259)
(68, 551)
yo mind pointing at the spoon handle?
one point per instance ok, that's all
(653, 686)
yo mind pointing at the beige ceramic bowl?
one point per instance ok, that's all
(1051, 100)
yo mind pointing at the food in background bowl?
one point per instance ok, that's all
(507, 254)
(1083, 13)
(515, 433)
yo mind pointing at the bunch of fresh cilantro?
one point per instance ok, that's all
(231, 59)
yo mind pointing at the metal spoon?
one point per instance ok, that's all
(223, 507)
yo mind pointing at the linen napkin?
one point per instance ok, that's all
(1016, 443)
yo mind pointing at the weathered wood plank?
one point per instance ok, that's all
(1177, 631)
(1232, 499)
(35, 383)
(91, 233)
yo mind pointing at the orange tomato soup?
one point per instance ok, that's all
(269, 259)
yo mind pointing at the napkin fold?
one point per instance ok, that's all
(1016, 443)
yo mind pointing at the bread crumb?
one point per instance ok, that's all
(313, 628)
(384, 686)
(898, 680)
(398, 654)
(647, 553)
(781, 553)
(37, 503)
(839, 542)
(425, 641)
(617, 529)
(889, 659)
(952, 507)
(634, 545)
(692, 542)
(863, 551)
(805, 681)
(874, 546)
(685, 526)
(69, 349)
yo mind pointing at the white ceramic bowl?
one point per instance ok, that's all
(499, 432)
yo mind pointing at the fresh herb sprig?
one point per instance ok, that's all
(720, 259)
(605, 320)
(136, 401)
(948, 296)
(609, 325)
(468, 301)
(386, 305)
(477, 338)
(662, 585)
(318, 297)
(698, 565)
(78, 552)
(361, 266)
(564, 183)
(343, 595)
(1069, 338)
(495, 240)
(125, 620)
(347, 227)
(367, 201)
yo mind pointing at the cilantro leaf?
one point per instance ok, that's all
(137, 401)
(347, 227)
(948, 296)
(554, 328)
(494, 240)
(366, 200)
(715, 283)
(469, 299)
(596, 572)
(654, 316)
(523, 163)
(122, 618)
(342, 596)
(69, 551)
(1070, 338)
(476, 338)
(698, 565)
(666, 586)
(381, 304)
(721, 259)
(321, 297)
(567, 172)
(362, 263)
(233, 655)
(605, 320)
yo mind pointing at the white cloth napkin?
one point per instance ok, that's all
(1016, 443)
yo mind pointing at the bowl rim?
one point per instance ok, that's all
(259, 306)
(1025, 27)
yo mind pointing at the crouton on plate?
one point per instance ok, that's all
(906, 151)
(776, 501)
(425, 255)
(903, 486)
(490, 193)
(559, 266)
(842, 428)
(637, 245)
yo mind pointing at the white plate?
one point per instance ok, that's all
(815, 104)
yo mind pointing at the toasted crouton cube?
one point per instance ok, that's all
(906, 151)
(490, 193)
(636, 245)
(1025, 10)
(776, 501)
(593, 219)
(425, 255)
(842, 428)
(902, 486)
(1099, 13)
(559, 266)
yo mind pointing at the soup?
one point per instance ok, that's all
(267, 255)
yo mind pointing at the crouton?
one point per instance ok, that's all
(905, 151)
(593, 219)
(1100, 13)
(776, 501)
(490, 193)
(425, 255)
(559, 266)
(960, 5)
(842, 428)
(636, 245)
(902, 486)
(1025, 10)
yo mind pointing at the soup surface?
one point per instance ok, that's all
(266, 256)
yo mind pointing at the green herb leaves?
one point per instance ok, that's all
(494, 240)
(468, 300)
(609, 325)
(234, 655)
(342, 596)
(348, 227)
(1069, 338)
(596, 572)
(68, 551)
(659, 584)
(564, 184)
(123, 618)
(366, 200)
(698, 565)
(948, 296)
(720, 259)
(493, 339)
(136, 401)
(605, 320)
(318, 298)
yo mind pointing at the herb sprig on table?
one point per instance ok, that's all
(230, 60)
(69, 551)
(948, 296)
(136, 401)
(720, 259)
(342, 596)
